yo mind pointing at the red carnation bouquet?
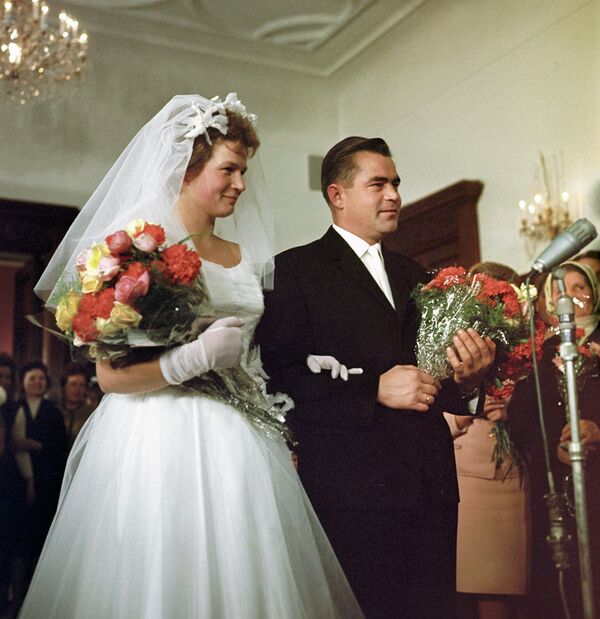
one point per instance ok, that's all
(455, 299)
(133, 296)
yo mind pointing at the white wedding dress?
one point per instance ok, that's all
(173, 507)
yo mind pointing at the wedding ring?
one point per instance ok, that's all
(429, 399)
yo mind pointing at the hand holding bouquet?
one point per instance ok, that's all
(133, 297)
(455, 299)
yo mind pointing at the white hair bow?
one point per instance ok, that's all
(215, 116)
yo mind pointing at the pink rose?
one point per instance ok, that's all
(119, 242)
(108, 268)
(130, 288)
(145, 242)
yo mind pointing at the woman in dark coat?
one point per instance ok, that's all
(544, 595)
(39, 440)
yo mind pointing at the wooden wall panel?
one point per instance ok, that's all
(441, 229)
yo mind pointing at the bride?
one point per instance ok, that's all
(173, 505)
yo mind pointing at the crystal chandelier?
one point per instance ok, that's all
(34, 56)
(548, 212)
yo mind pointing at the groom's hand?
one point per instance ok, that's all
(408, 388)
(470, 358)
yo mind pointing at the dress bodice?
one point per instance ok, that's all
(235, 291)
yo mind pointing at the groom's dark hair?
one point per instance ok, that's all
(339, 164)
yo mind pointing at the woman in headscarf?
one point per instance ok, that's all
(544, 595)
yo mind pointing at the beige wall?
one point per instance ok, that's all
(58, 152)
(461, 89)
(474, 89)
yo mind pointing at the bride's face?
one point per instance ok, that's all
(216, 189)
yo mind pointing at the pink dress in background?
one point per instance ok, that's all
(493, 527)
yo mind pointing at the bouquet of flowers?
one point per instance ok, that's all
(132, 296)
(455, 299)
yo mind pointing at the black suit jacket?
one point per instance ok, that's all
(353, 452)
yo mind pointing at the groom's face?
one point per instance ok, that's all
(369, 204)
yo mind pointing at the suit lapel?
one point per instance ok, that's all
(339, 251)
(398, 282)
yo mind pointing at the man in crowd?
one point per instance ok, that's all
(74, 405)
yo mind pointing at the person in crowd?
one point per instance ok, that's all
(544, 600)
(94, 393)
(174, 504)
(74, 405)
(38, 437)
(374, 452)
(12, 485)
(8, 371)
(492, 541)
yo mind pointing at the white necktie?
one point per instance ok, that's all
(373, 260)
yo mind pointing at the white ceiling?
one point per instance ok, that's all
(312, 36)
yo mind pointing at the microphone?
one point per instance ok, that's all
(565, 245)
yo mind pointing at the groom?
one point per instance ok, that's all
(374, 452)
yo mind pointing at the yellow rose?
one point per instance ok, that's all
(93, 255)
(90, 283)
(106, 327)
(66, 310)
(124, 316)
(134, 227)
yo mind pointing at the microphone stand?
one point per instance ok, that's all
(568, 352)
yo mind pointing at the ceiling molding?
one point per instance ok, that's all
(313, 43)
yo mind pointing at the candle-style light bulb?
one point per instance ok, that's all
(44, 20)
(7, 13)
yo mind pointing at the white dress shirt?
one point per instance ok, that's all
(371, 257)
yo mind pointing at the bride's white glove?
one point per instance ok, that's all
(316, 363)
(219, 347)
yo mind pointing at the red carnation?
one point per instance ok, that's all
(134, 270)
(448, 277)
(182, 263)
(512, 307)
(155, 231)
(84, 326)
(97, 304)
(501, 393)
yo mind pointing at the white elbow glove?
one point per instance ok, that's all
(219, 347)
(316, 363)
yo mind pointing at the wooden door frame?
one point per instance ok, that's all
(33, 230)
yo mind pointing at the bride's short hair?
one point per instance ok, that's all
(239, 129)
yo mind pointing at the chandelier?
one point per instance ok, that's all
(34, 56)
(548, 212)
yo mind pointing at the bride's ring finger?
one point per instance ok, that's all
(428, 399)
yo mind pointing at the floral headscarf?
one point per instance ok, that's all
(587, 323)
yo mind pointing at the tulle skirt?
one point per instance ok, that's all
(174, 507)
